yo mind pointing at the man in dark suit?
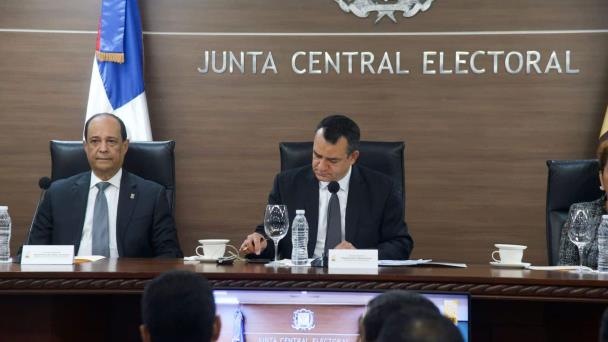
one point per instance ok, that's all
(368, 208)
(107, 211)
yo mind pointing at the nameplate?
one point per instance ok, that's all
(47, 255)
(353, 259)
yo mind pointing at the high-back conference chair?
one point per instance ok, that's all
(152, 160)
(568, 182)
(385, 157)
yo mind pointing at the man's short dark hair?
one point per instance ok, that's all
(178, 306)
(418, 325)
(336, 126)
(379, 308)
(123, 128)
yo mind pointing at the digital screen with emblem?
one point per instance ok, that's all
(311, 316)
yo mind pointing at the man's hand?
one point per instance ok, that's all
(254, 243)
(345, 245)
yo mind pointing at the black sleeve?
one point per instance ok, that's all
(42, 227)
(164, 234)
(395, 241)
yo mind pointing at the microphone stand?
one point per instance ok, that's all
(44, 183)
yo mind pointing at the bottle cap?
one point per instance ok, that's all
(300, 212)
(3, 208)
(604, 217)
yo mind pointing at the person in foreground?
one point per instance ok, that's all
(380, 308)
(107, 211)
(178, 306)
(411, 325)
(568, 252)
(604, 327)
(347, 205)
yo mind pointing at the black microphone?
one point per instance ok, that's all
(333, 187)
(44, 183)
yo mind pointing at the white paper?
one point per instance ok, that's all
(557, 268)
(415, 262)
(410, 262)
(448, 264)
(91, 258)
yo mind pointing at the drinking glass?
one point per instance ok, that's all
(580, 232)
(276, 225)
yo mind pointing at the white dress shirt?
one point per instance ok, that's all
(111, 192)
(324, 196)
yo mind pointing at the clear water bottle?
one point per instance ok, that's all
(299, 239)
(602, 245)
(5, 235)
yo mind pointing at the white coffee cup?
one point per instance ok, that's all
(509, 254)
(212, 248)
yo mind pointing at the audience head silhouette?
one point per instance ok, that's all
(178, 306)
(418, 325)
(380, 308)
(604, 327)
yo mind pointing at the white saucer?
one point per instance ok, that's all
(206, 259)
(505, 265)
(200, 258)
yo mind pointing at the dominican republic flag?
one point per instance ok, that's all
(117, 81)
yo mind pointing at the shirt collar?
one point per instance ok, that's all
(115, 180)
(343, 182)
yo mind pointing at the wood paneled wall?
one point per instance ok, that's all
(476, 145)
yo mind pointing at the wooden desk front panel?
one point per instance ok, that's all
(101, 300)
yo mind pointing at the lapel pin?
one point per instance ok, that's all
(132, 196)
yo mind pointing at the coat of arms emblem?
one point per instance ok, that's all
(303, 319)
(385, 8)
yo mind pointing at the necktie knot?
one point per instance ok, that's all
(333, 187)
(102, 186)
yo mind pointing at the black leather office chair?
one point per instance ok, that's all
(152, 160)
(569, 181)
(381, 156)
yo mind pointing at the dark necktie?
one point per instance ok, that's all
(101, 226)
(334, 225)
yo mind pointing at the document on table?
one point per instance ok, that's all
(418, 262)
(558, 268)
(87, 258)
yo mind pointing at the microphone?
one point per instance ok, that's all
(44, 183)
(333, 187)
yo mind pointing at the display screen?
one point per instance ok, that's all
(311, 316)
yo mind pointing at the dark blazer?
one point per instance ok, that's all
(144, 224)
(375, 215)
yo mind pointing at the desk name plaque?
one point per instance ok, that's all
(353, 259)
(47, 255)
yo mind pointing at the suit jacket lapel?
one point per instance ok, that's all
(80, 192)
(355, 197)
(127, 199)
(312, 209)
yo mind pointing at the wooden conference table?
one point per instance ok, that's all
(100, 301)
